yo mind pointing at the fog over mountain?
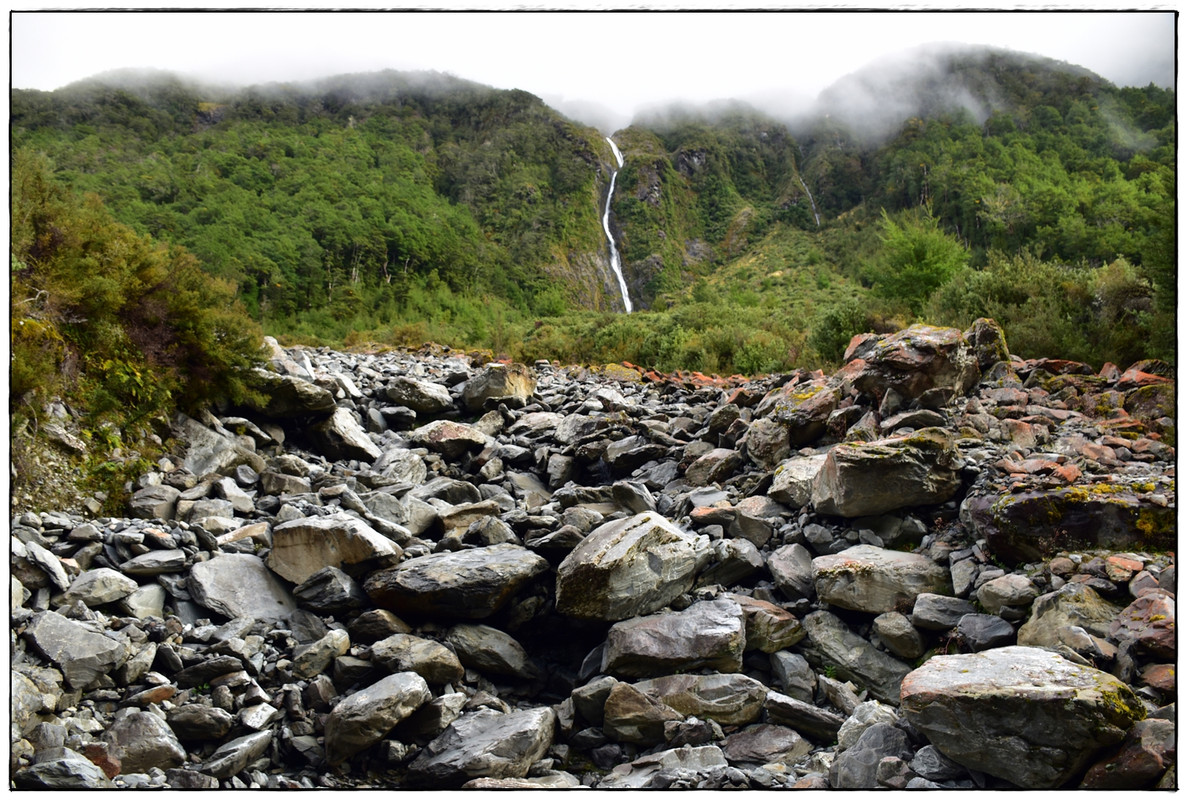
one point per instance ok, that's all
(597, 67)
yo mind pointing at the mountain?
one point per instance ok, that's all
(419, 205)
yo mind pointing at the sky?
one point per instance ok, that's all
(600, 66)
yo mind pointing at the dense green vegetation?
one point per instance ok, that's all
(124, 329)
(399, 208)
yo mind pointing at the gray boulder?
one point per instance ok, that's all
(485, 744)
(1022, 714)
(96, 587)
(450, 439)
(365, 717)
(706, 635)
(870, 478)
(857, 767)
(154, 502)
(79, 652)
(61, 768)
(729, 699)
(287, 396)
(466, 584)
(423, 397)
(302, 547)
(239, 585)
(141, 741)
(512, 384)
(875, 580)
(648, 772)
(233, 757)
(341, 438)
(433, 661)
(830, 643)
(794, 478)
(629, 567)
(491, 651)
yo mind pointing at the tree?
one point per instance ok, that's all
(917, 258)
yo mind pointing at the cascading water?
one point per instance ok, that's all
(810, 200)
(615, 261)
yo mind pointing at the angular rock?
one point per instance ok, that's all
(365, 717)
(769, 628)
(857, 766)
(935, 612)
(794, 478)
(1033, 525)
(154, 502)
(196, 723)
(485, 744)
(713, 467)
(341, 437)
(875, 580)
(1150, 622)
(831, 643)
(1022, 714)
(491, 651)
(80, 653)
(330, 591)
(314, 658)
(287, 396)
(62, 768)
(899, 636)
(301, 547)
(142, 741)
(726, 699)
(158, 562)
(450, 439)
(96, 587)
(239, 585)
(866, 479)
(1054, 615)
(979, 632)
(816, 723)
(432, 660)
(233, 757)
(209, 452)
(706, 635)
(802, 408)
(912, 361)
(512, 384)
(630, 715)
(647, 772)
(422, 397)
(1010, 590)
(467, 584)
(764, 743)
(1145, 755)
(629, 567)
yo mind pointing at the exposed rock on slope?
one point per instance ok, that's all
(559, 576)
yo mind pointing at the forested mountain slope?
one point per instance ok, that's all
(401, 206)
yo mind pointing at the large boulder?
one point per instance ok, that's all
(1032, 525)
(872, 579)
(287, 396)
(209, 451)
(341, 437)
(710, 634)
(911, 362)
(81, 653)
(1023, 714)
(423, 397)
(794, 478)
(466, 584)
(141, 741)
(303, 546)
(729, 699)
(239, 585)
(512, 384)
(830, 643)
(629, 567)
(484, 744)
(801, 408)
(870, 478)
(451, 439)
(365, 717)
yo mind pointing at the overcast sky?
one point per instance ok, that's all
(619, 61)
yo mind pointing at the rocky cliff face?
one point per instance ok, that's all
(939, 567)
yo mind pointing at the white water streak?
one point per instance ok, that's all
(810, 200)
(615, 261)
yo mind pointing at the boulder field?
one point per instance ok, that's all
(941, 566)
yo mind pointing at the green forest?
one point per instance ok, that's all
(391, 209)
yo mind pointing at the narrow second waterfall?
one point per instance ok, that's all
(615, 261)
(810, 200)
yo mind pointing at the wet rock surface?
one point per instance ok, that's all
(942, 566)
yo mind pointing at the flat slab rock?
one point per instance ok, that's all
(1023, 714)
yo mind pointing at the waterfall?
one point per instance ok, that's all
(615, 261)
(810, 200)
